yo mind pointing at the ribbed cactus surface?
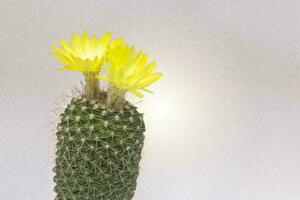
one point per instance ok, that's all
(98, 151)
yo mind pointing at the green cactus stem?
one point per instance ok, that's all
(98, 151)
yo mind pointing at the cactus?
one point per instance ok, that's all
(98, 151)
(100, 134)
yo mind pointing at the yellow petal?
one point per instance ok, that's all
(135, 92)
(150, 79)
(146, 90)
(104, 40)
(115, 43)
(66, 46)
(61, 58)
(149, 69)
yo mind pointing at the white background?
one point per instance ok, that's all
(223, 123)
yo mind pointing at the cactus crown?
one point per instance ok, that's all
(123, 68)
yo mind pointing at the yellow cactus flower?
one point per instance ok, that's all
(129, 71)
(83, 54)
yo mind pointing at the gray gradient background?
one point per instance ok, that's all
(223, 123)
